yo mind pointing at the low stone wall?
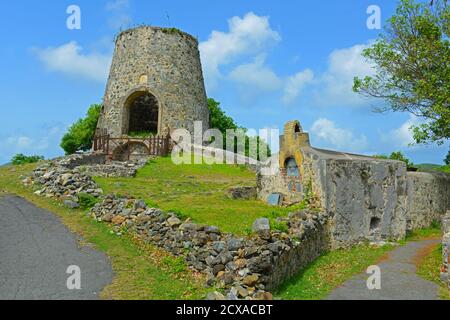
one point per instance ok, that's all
(428, 198)
(315, 241)
(245, 266)
(76, 160)
(445, 270)
(115, 168)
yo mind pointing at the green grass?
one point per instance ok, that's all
(433, 167)
(140, 271)
(197, 192)
(434, 231)
(429, 269)
(429, 262)
(445, 168)
(330, 270)
(141, 134)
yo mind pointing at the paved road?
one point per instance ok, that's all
(35, 251)
(399, 280)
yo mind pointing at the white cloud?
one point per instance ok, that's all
(249, 35)
(118, 5)
(69, 59)
(326, 131)
(120, 17)
(256, 75)
(19, 141)
(42, 142)
(295, 84)
(401, 137)
(335, 85)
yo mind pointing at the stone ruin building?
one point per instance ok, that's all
(368, 198)
(155, 86)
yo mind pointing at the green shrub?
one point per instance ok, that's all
(86, 201)
(221, 121)
(20, 158)
(81, 133)
(398, 155)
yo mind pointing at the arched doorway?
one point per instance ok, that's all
(141, 114)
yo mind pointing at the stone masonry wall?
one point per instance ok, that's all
(428, 198)
(445, 270)
(165, 63)
(367, 199)
(314, 242)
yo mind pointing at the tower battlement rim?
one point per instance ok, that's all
(163, 29)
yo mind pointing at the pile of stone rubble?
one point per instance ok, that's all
(240, 266)
(59, 181)
(67, 177)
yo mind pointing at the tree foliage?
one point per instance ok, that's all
(397, 155)
(81, 133)
(412, 67)
(447, 159)
(221, 121)
(20, 158)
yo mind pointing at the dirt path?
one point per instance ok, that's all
(36, 250)
(399, 280)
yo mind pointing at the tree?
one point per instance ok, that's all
(397, 155)
(447, 159)
(220, 120)
(81, 133)
(412, 67)
(20, 158)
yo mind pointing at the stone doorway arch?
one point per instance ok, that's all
(141, 116)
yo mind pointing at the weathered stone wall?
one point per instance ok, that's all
(312, 179)
(428, 198)
(445, 270)
(367, 199)
(267, 184)
(162, 62)
(315, 241)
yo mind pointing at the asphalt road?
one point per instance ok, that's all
(399, 280)
(36, 250)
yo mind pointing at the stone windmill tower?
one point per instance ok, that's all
(155, 84)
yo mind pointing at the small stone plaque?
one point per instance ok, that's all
(274, 199)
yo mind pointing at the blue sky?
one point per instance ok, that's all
(267, 62)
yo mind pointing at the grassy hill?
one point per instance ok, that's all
(433, 167)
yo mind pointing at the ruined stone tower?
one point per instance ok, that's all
(155, 84)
